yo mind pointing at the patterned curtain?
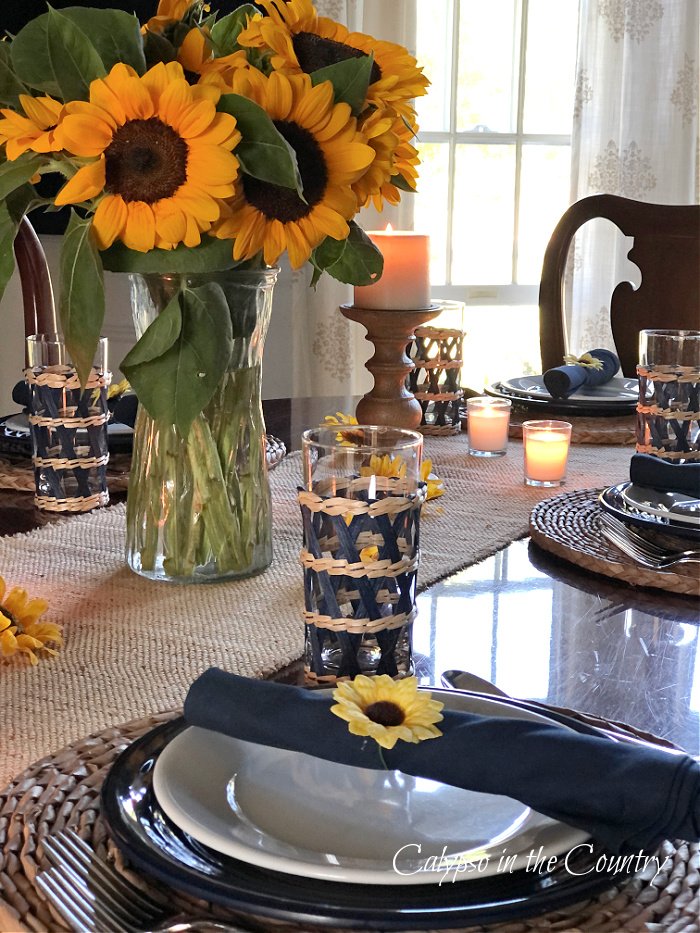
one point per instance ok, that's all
(635, 134)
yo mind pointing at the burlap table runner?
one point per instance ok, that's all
(133, 646)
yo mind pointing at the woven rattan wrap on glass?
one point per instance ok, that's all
(68, 423)
(360, 604)
(668, 412)
(437, 356)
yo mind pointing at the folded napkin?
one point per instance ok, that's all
(664, 475)
(628, 797)
(563, 381)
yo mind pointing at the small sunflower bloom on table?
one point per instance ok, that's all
(22, 630)
(387, 710)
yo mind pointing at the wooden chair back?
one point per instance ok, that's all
(35, 278)
(667, 251)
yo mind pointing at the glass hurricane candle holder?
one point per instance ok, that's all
(68, 426)
(668, 412)
(546, 448)
(488, 420)
(360, 506)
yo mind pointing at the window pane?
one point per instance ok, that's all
(434, 52)
(544, 196)
(487, 90)
(502, 341)
(430, 205)
(550, 60)
(482, 218)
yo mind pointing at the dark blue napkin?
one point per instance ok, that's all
(563, 381)
(628, 797)
(665, 475)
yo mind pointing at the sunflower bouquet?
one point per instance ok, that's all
(194, 144)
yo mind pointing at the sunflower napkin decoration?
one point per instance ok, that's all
(196, 143)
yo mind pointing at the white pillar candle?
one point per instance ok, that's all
(405, 281)
(546, 446)
(487, 425)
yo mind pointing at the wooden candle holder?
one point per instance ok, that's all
(389, 402)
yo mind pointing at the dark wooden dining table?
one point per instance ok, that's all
(532, 624)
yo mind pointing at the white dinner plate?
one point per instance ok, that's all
(619, 389)
(654, 502)
(301, 815)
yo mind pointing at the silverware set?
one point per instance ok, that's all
(90, 895)
(640, 549)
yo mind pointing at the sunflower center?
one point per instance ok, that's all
(146, 161)
(314, 52)
(284, 204)
(385, 713)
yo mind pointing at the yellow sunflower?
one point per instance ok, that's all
(34, 131)
(435, 485)
(21, 627)
(168, 12)
(331, 155)
(161, 157)
(345, 438)
(387, 710)
(395, 155)
(385, 466)
(303, 41)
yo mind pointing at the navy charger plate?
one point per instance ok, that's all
(154, 845)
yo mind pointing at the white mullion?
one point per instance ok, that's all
(519, 135)
(452, 150)
(480, 139)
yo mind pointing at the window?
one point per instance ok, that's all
(495, 148)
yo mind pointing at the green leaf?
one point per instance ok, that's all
(10, 85)
(115, 35)
(15, 174)
(263, 152)
(325, 255)
(175, 386)
(53, 55)
(225, 32)
(360, 263)
(8, 231)
(350, 80)
(158, 336)
(211, 255)
(74, 58)
(401, 183)
(82, 304)
(158, 49)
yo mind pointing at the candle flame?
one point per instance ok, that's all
(388, 228)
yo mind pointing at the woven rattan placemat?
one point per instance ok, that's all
(568, 526)
(62, 791)
(585, 430)
(20, 474)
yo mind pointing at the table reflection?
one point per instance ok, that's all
(541, 629)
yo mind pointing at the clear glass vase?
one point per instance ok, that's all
(198, 507)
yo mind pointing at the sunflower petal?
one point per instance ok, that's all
(110, 220)
(87, 182)
(140, 229)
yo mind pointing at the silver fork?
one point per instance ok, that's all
(90, 895)
(639, 549)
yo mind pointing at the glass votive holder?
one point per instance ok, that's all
(668, 411)
(68, 426)
(360, 507)
(546, 449)
(487, 426)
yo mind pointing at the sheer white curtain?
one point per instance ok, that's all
(327, 351)
(635, 134)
